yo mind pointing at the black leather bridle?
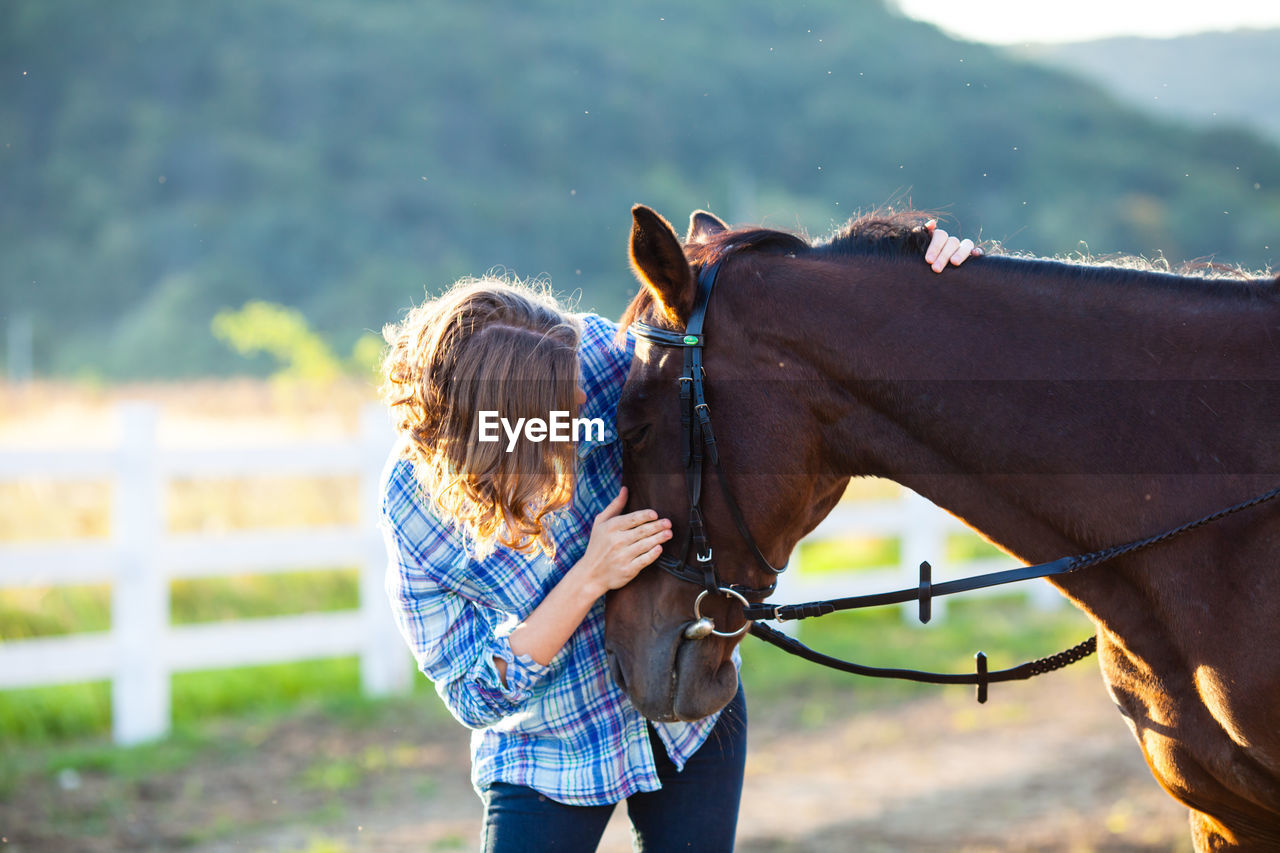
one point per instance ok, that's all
(699, 446)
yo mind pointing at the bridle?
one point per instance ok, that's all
(699, 447)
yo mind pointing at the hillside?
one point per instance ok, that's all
(160, 161)
(1209, 78)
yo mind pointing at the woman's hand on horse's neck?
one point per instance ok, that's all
(946, 249)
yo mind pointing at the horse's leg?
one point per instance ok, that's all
(1208, 834)
(1174, 764)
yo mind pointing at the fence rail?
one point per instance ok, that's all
(139, 559)
(142, 649)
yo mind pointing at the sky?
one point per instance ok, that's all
(1018, 21)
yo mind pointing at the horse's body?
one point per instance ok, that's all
(1057, 408)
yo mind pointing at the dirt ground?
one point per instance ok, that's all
(1047, 765)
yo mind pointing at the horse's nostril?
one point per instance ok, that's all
(615, 669)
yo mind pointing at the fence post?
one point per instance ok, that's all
(384, 661)
(923, 537)
(140, 702)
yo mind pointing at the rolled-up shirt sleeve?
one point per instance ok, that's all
(454, 639)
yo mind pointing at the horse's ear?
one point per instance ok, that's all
(703, 226)
(660, 264)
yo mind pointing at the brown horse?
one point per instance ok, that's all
(1056, 407)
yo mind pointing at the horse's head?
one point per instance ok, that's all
(671, 666)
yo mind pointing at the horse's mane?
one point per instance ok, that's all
(884, 232)
(880, 232)
(901, 233)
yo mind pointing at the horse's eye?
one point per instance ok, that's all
(633, 438)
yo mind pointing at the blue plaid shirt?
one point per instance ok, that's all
(566, 729)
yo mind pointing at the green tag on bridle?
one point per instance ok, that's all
(691, 340)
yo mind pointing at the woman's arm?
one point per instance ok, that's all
(482, 670)
(619, 547)
(455, 640)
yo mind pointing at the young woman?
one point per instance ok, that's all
(500, 554)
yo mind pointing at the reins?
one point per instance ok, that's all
(927, 590)
(700, 446)
(923, 594)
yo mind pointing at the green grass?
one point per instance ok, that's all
(75, 710)
(52, 714)
(88, 788)
(27, 612)
(257, 596)
(25, 761)
(848, 553)
(51, 611)
(858, 553)
(962, 547)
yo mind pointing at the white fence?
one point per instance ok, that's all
(142, 649)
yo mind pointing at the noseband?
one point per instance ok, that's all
(698, 448)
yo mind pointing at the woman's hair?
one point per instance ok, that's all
(486, 345)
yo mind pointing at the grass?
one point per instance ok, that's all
(55, 740)
(50, 715)
(303, 763)
(54, 713)
(27, 612)
(848, 553)
(861, 553)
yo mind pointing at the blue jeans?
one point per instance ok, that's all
(695, 809)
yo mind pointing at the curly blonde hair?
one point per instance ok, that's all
(486, 345)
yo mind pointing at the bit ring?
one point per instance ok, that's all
(727, 593)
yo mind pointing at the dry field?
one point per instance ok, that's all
(1045, 766)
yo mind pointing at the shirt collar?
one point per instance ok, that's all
(597, 407)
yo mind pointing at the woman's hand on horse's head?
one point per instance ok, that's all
(944, 248)
(621, 544)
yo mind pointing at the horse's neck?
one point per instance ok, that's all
(1018, 401)
(1011, 319)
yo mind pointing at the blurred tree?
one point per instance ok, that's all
(161, 163)
(299, 353)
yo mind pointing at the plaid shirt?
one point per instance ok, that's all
(566, 729)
